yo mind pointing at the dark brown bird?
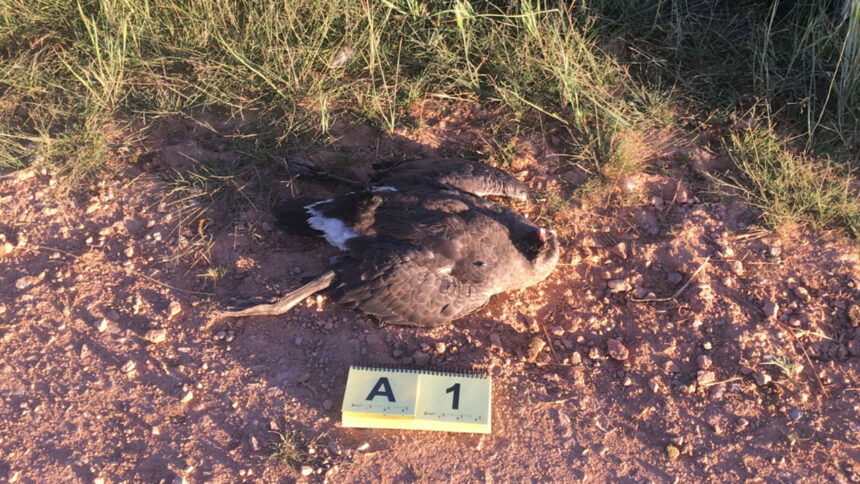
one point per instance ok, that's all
(420, 257)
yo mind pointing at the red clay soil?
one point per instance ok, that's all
(112, 368)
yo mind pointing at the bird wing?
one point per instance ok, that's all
(404, 284)
(468, 175)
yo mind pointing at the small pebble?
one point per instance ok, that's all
(327, 404)
(536, 345)
(617, 350)
(762, 378)
(674, 278)
(102, 325)
(128, 367)
(187, 396)
(440, 347)
(298, 341)
(718, 391)
(557, 331)
(672, 452)
(705, 377)
(175, 311)
(704, 362)
(802, 293)
(620, 250)
(363, 447)
(795, 414)
(155, 336)
(854, 315)
(307, 470)
(619, 285)
(575, 358)
(770, 309)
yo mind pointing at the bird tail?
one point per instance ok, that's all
(292, 217)
(286, 302)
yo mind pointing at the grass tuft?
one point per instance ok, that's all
(74, 76)
(789, 189)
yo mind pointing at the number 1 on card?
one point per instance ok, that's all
(456, 390)
(449, 397)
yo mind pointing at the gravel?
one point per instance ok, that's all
(705, 377)
(762, 378)
(674, 278)
(770, 309)
(536, 345)
(155, 336)
(618, 285)
(617, 350)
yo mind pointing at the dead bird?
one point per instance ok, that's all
(418, 257)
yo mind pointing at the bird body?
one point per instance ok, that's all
(424, 256)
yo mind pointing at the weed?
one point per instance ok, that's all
(214, 273)
(786, 366)
(287, 450)
(789, 189)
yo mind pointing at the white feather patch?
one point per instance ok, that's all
(335, 231)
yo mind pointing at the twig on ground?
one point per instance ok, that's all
(680, 289)
(729, 380)
(548, 339)
(812, 366)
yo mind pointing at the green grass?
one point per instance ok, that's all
(789, 189)
(801, 58)
(287, 450)
(81, 81)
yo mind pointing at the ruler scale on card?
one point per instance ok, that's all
(406, 398)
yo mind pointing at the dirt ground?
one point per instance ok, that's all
(112, 368)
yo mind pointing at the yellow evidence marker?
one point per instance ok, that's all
(401, 398)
